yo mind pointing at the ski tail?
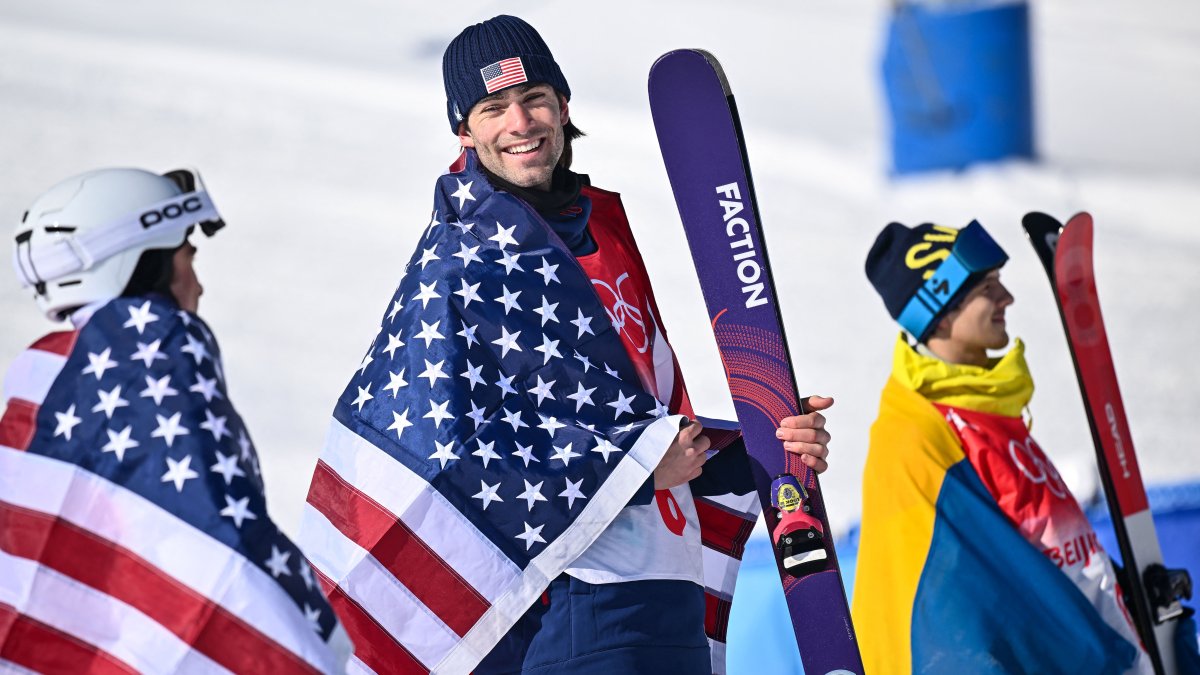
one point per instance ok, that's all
(1066, 254)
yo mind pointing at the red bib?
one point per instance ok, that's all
(620, 281)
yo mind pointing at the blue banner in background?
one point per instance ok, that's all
(957, 78)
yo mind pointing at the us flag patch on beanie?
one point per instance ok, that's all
(503, 74)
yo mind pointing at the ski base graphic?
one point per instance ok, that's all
(702, 147)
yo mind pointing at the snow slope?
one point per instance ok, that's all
(319, 128)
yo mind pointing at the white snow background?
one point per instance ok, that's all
(320, 128)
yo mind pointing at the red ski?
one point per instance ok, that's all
(1154, 591)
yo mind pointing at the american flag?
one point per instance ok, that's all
(133, 530)
(503, 74)
(493, 429)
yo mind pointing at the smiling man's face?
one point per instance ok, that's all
(518, 133)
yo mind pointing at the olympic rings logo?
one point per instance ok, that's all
(622, 314)
(1030, 462)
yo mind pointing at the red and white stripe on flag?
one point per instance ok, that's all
(725, 525)
(503, 74)
(417, 586)
(406, 572)
(75, 547)
(29, 379)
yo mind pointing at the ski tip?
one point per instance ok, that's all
(1039, 220)
(716, 66)
(711, 61)
(1041, 229)
(1043, 232)
(1081, 217)
(1078, 230)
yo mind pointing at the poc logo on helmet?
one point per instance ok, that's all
(170, 212)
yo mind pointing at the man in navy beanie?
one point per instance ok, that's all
(546, 483)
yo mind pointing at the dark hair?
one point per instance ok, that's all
(570, 133)
(153, 274)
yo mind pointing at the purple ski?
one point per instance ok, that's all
(702, 147)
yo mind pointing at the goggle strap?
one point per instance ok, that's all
(78, 252)
(25, 267)
(932, 296)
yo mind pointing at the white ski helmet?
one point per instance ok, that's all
(81, 240)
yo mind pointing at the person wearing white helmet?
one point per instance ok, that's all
(134, 534)
(112, 233)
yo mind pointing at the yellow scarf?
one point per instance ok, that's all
(1003, 388)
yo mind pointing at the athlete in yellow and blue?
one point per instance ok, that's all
(974, 555)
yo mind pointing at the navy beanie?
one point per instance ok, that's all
(903, 262)
(501, 52)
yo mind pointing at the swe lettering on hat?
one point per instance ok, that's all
(923, 272)
(934, 247)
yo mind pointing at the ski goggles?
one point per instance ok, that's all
(74, 253)
(189, 181)
(973, 255)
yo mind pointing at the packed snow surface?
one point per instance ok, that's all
(320, 128)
